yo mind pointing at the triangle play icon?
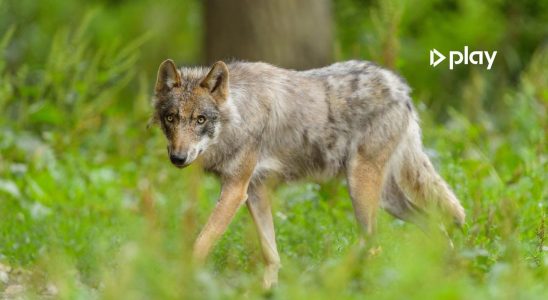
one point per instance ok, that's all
(433, 54)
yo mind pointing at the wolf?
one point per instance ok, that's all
(247, 122)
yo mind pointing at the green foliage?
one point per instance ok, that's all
(90, 205)
(399, 34)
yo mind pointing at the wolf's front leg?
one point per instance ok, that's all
(233, 194)
(259, 208)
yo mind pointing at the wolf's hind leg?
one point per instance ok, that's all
(365, 181)
(259, 208)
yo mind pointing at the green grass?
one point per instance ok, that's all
(89, 203)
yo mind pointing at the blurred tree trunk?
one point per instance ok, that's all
(288, 33)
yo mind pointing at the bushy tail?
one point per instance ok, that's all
(420, 185)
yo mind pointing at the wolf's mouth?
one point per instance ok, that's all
(180, 166)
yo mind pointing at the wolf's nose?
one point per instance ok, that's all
(177, 159)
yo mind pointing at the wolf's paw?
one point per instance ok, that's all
(270, 278)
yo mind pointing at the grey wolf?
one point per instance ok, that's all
(247, 122)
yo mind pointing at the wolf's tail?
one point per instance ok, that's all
(413, 184)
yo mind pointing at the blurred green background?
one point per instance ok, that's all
(91, 208)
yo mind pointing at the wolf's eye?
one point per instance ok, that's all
(169, 118)
(201, 119)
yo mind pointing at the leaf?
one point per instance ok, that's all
(9, 187)
(47, 113)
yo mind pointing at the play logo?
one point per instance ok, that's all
(465, 57)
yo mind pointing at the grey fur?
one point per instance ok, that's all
(312, 120)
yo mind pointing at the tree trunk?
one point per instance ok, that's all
(289, 33)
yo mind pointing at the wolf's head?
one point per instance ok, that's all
(187, 108)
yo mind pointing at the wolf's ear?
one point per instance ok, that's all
(168, 76)
(216, 81)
